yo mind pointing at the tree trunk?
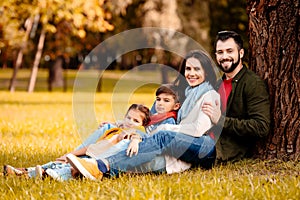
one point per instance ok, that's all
(274, 55)
(56, 74)
(13, 79)
(36, 63)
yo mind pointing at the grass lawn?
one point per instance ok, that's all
(38, 127)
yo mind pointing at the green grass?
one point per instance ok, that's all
(38, 127)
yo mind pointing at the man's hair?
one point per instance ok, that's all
(143, 109)
(168, 89)
(225, 35)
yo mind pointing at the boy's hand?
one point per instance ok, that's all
(133, 147)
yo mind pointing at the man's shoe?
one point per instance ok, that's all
(87, 167)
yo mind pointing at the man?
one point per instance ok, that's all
(245, 109)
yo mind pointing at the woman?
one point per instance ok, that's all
(186, 141)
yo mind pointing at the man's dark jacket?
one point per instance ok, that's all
(247, 116)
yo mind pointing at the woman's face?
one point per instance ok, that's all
(194, 72)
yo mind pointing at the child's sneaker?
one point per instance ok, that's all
(87, 167)
(62, 174)
(10, 170)
(39, 171)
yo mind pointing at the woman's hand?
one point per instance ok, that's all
(133, 147)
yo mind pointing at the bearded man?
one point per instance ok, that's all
(245, 109)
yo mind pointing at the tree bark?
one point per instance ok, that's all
(37, 60)
(274, 55)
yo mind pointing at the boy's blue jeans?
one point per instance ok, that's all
(197, 151)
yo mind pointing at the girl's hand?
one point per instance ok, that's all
(133, 147)
(123, 135)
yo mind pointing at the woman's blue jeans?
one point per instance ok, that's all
(197, 151)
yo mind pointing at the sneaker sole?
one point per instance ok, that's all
(78, 166)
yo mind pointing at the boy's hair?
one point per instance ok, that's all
(225, 35)
(168, 89)
(142, 109)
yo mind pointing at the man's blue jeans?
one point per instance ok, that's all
(197, 151)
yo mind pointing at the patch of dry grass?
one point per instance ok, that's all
(36, 128)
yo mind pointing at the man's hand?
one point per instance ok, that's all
(133, 147)
(212, 110)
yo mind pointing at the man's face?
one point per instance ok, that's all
(228, 55)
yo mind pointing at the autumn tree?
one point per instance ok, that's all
(79, 17)
(274, 56)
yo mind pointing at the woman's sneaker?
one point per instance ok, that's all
(62, 174)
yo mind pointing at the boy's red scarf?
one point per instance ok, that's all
(160, 117)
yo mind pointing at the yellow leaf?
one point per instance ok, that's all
(81, 33)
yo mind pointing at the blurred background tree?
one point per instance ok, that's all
(58, 23)
(58, 35)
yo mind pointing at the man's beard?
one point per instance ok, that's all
(232, 67)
